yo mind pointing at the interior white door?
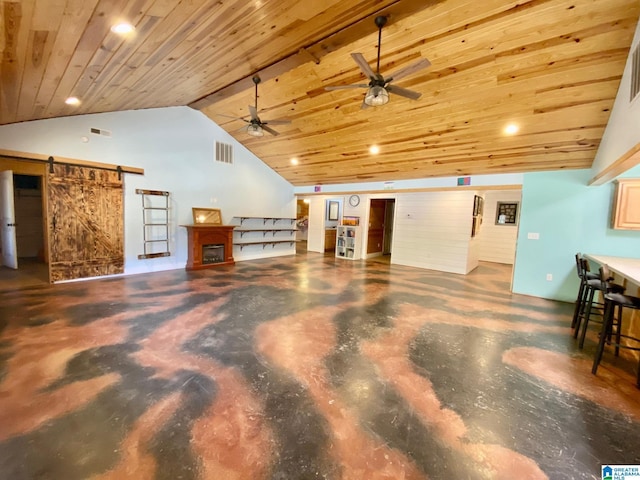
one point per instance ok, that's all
(8, 221)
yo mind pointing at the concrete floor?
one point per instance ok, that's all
(305, 367)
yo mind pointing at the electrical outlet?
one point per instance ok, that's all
(533, 236)
(549, 277)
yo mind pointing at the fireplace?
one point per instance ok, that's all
(212, 253)
(209, 246)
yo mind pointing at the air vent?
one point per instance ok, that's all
(101, 132)
(224, 152)
(635, 73)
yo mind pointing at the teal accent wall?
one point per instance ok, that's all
(570, 217)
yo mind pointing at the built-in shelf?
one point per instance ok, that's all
(268, 219)
(349, 242)
(264, 231)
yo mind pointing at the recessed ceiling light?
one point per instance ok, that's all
(72, 101)
(511, 129)
(374, 149)
(294, 161)
(122, 28)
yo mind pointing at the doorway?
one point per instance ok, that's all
(302, 224)
(32, 265)
(380, 233)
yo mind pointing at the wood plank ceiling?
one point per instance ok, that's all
(551, 66)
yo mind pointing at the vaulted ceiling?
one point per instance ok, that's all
(550, 66)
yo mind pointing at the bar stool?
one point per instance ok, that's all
(591, 286)
(581, 299)
(615, 302)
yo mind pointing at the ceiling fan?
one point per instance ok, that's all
(379, 86)
(256, 126)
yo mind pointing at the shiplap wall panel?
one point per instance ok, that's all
(498, 242)
(432, 230)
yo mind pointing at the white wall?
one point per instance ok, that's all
(622, 132)
(175, 146)
(433, 230)
(498, 242)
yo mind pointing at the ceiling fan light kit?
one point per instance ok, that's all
(376, 96)
(255, 130)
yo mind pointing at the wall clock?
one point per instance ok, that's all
(354, 200)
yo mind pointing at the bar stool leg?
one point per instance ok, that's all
(607, 320)
(618, 328)
(579, 310)
(585, 320)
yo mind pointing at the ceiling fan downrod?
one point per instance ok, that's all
(256, 80)
(381, 21)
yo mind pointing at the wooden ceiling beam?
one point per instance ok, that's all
(360, 28)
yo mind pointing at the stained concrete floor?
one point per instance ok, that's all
(305, 367)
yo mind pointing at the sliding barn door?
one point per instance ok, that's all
(86, 233)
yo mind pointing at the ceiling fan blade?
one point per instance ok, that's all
(254, 113)
(343, 87)
(364, 66)
(230, 116)
(409, 69)
(277, 122)
(403, 92)
(270, 130)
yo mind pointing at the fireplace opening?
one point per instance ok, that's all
(212, 254)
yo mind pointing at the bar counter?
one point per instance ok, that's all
(624, 267)
(627, 272)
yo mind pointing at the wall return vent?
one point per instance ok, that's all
(224, 152)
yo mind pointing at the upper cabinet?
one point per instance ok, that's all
(626, 207)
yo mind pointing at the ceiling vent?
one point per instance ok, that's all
(224, 152)
(635, 73)
(101, 132)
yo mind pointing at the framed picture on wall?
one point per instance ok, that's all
(477, 205)
(333, 211)
(507, 213)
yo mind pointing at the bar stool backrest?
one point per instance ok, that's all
(579, 264)
(585, 267)
(605, 277)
